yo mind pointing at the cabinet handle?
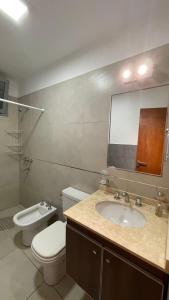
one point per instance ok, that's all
(94, 252)
(107, 261)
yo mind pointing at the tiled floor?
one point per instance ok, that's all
(20, 273)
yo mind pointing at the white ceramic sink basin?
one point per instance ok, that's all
(121, 214)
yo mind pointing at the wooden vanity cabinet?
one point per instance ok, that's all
(106, 274)
(123, 280)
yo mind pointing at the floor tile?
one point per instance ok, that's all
(12, 231)
(6, 245)
(28, 253)
(19, 278)
(11, 211)
(45, 292)
(69, 290)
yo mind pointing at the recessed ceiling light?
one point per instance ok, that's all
(142, 70)
(126, 74)
(13, 8)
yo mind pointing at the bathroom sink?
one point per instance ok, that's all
(121, 214)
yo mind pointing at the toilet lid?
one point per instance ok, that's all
(50, 241)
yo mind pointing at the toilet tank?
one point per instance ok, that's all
(71, 196)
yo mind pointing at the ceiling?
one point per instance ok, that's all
(56, 29)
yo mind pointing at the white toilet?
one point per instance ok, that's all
(33, 220)
(49, 246)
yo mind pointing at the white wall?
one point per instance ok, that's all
(73, 133)
(125, 113)
(103, 54)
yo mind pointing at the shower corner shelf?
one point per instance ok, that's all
(16, 149)
(15, 153)
(15, 146)
(15, 133)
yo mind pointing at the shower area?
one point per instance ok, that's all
(14, 162)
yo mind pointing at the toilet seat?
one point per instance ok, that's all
(48, 260)
(50, 242)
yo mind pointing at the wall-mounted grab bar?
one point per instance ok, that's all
(22, 105)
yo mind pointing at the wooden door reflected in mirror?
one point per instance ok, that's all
(151, 140)
(137, 137)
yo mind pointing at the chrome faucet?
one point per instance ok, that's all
(126, 197)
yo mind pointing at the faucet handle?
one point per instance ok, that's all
(138, 201)
(159, 209)
(48, 205)
(117, 195)
(42, 202)
(104, 181)
(160, 196)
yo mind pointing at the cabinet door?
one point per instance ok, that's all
(83, 261)
(124, 281)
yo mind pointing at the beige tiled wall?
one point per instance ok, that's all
(68, 143)
(9, 165)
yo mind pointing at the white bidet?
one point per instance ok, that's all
(33, 220)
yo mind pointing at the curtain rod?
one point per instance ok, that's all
(22, 105)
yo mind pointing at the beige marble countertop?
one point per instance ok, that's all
(149, 242)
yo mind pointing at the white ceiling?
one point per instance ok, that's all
(56, 29)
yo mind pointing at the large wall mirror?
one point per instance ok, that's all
(138, 130)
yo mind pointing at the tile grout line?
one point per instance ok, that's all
(36, 289)
(55, 289)
(31, 261)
